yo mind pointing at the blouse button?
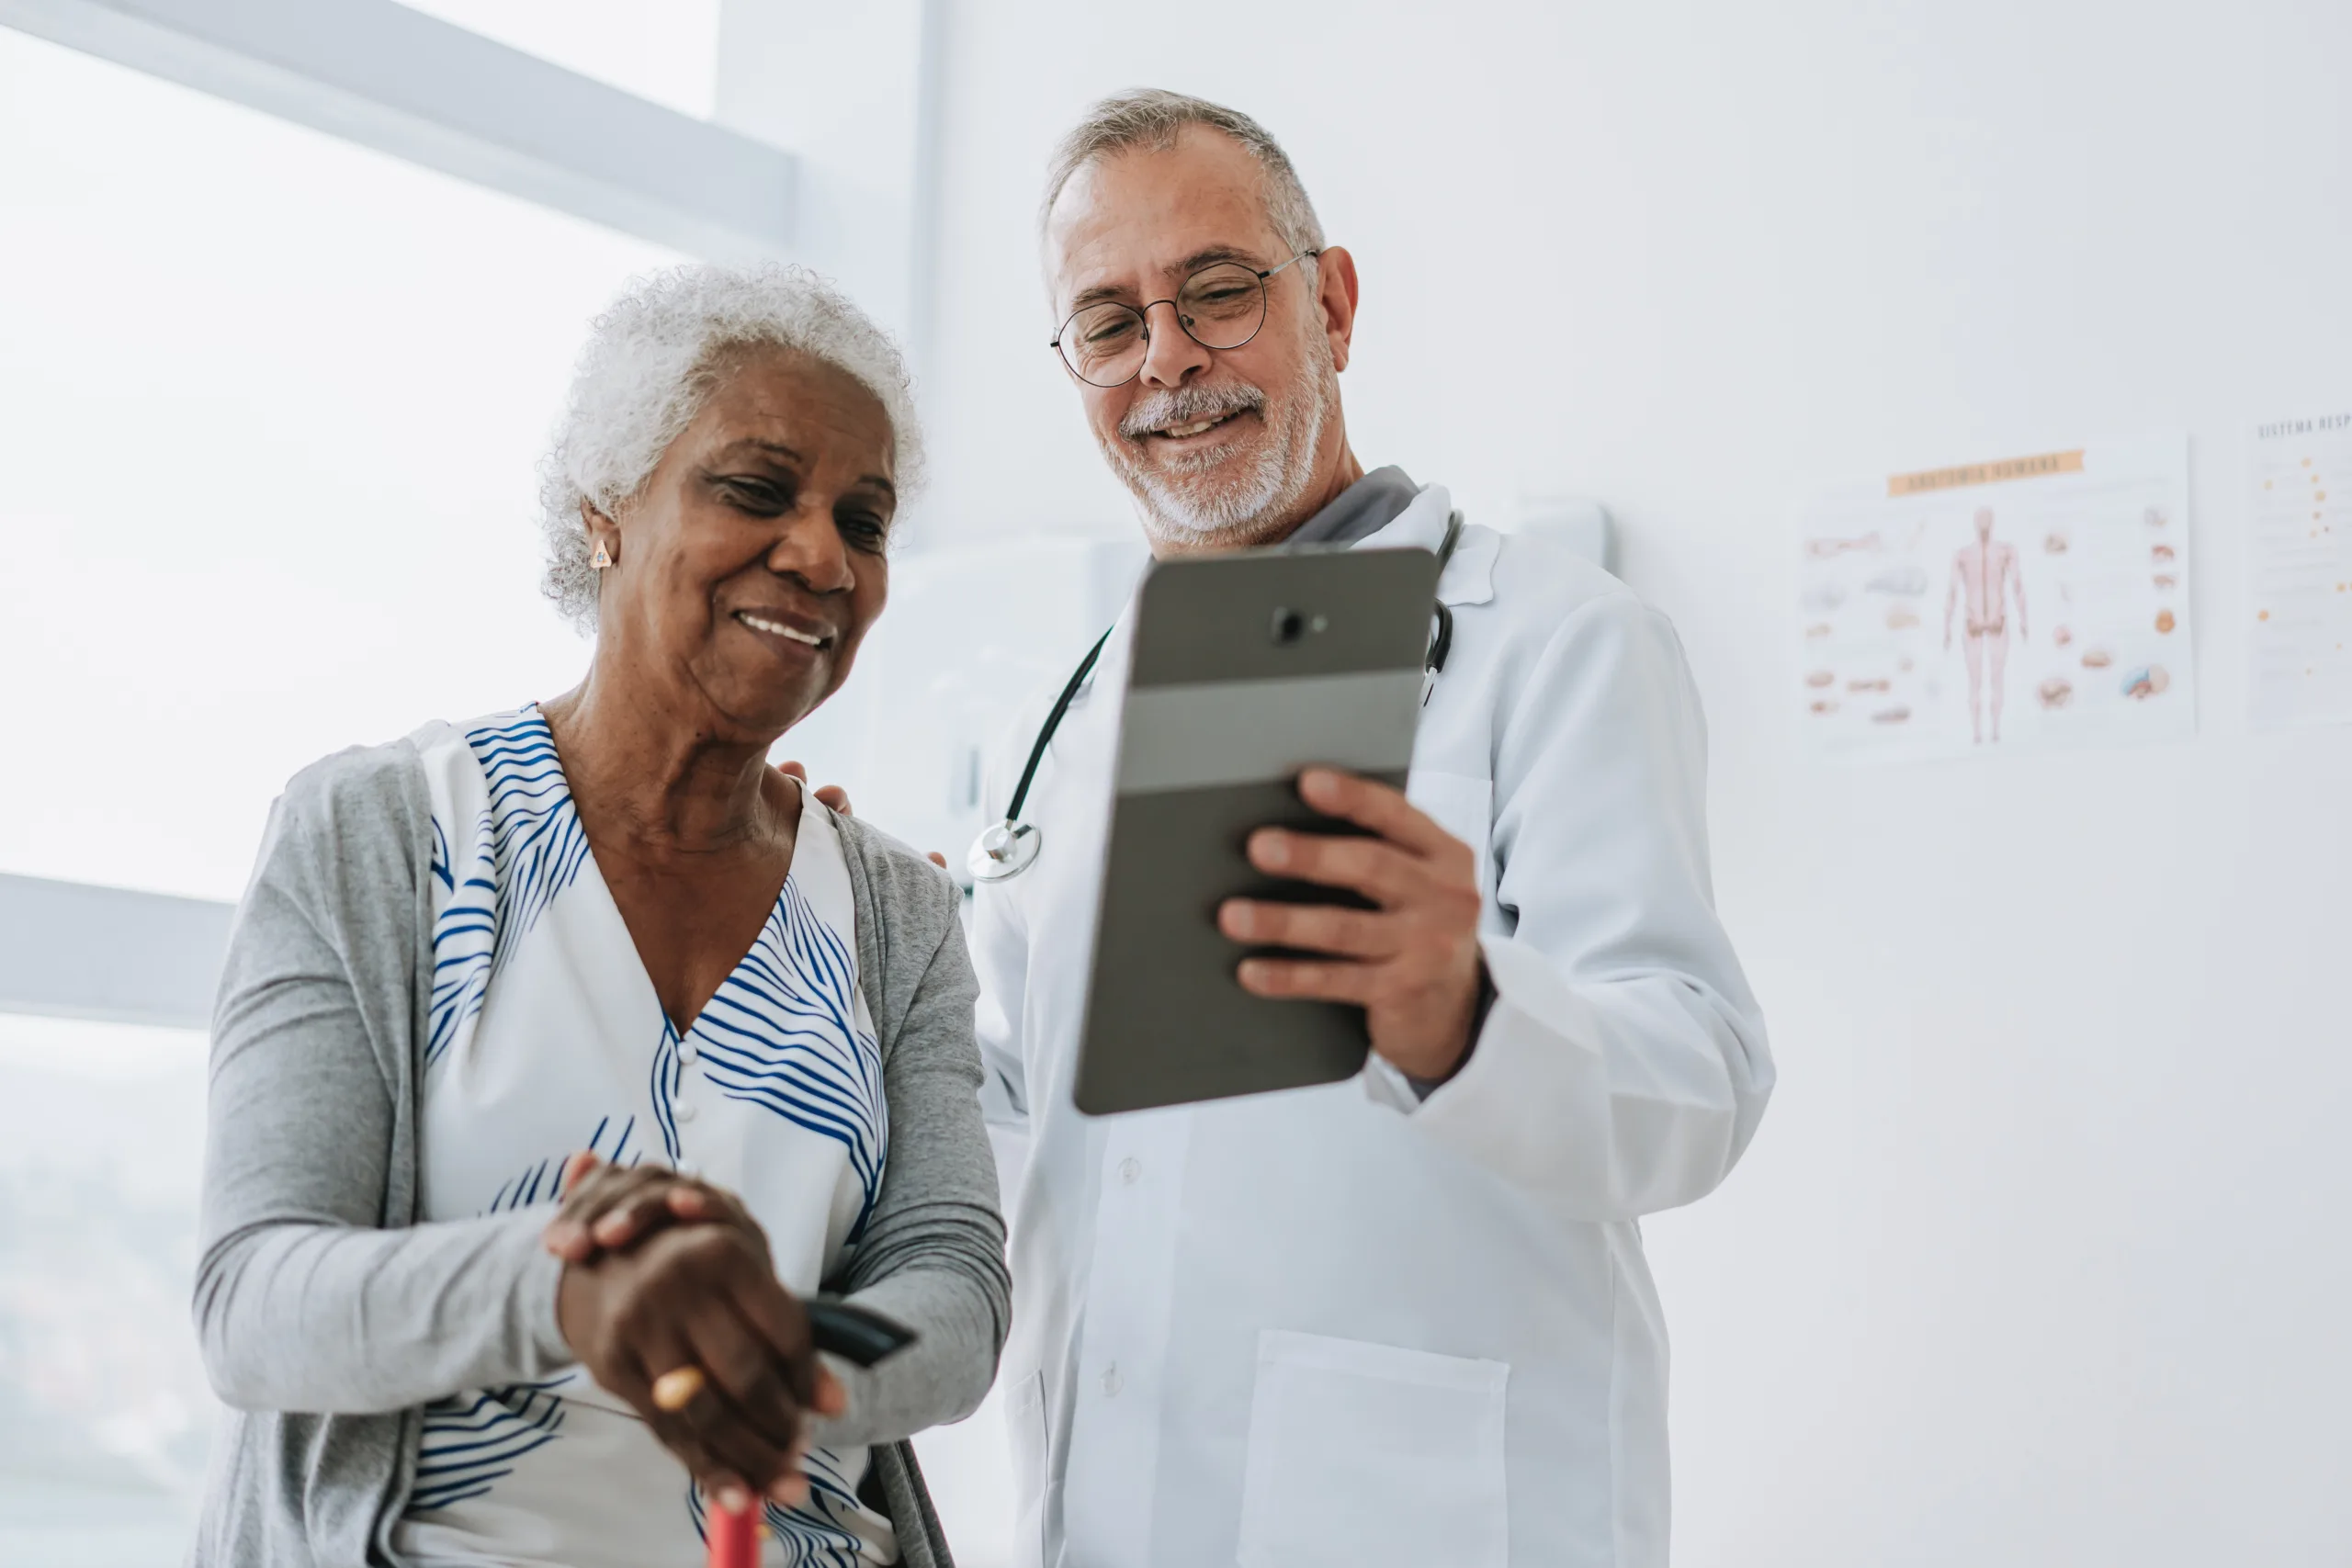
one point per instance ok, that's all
(686, 1111)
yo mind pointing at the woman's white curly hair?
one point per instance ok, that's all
(653, 358)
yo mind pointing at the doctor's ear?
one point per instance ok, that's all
(1336, 294)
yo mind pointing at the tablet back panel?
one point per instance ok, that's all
(1247, 669)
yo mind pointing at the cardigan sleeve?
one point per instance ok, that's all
(309, 1297)
(933, 1256)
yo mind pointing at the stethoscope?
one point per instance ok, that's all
(1009, 848)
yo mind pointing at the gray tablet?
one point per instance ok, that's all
(1247, 667)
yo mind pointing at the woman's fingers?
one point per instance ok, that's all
(744, 1443)
(564, 1235)
(783, 1324)
(675, 1389)
(659, 1376)
(830, 1398)
(739, 1363)
(714, 1402)
(607, 1208)
(576, 1168)
(645, 1208)
(694, 1330)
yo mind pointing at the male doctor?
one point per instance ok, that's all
(1404, 1320)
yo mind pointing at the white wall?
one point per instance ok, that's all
(2041, 1255)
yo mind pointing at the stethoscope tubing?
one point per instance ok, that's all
(1000, 868)
(1053, 722)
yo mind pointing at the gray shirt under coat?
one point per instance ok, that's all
(1361, 510)
(328, 1316)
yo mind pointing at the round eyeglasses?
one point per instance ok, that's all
(1221, 306)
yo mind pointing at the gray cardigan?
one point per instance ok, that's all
(328, 1316)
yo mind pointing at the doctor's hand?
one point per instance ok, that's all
(1412, 962)
(831, 795)
(838, 798)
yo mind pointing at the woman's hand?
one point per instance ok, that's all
(608, 1206)
(690, 1325)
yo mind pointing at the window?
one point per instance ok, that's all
(105, 1418)
(260, 390)
(666, 50)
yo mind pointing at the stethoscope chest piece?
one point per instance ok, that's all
(1002, 851)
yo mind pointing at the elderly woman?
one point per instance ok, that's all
(602, 923)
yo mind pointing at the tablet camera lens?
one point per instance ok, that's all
(1289, 625)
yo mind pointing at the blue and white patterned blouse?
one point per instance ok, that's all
(544, 1037)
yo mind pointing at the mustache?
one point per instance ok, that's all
(1185, 405)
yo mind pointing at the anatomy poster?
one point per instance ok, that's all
(2298, 571)
(2028, 602)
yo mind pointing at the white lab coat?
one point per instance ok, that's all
(1339, 1324)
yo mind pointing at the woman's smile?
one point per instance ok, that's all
(787, 626)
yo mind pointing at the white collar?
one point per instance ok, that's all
(1469, 577)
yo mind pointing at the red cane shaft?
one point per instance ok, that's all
(734, 1539)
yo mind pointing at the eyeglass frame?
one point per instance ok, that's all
(1143, 313)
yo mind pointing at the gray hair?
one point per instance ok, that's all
(1151, 119)
(652, 361)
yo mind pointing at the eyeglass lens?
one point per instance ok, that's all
(1219, 307)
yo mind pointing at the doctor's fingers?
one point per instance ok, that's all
(827, 794)
(1313, 980)
(1315, 928)
(1368, 802)
(1381, 871)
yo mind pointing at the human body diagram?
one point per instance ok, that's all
(1984, 576)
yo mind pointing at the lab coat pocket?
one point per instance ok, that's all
(1025, 1421)
(1373, 1457)
(1464, 805)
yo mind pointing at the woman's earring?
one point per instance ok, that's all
(602, 559)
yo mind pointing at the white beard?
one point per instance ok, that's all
(1232, 497)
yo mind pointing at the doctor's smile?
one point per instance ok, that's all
(1177, 419)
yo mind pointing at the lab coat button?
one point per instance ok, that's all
(1130, 1169)
(1111, 1384)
